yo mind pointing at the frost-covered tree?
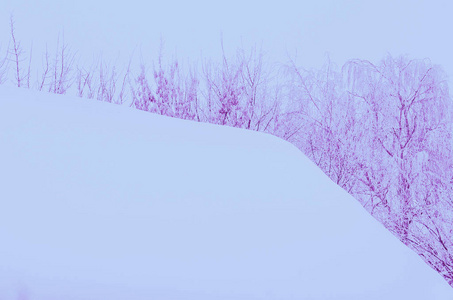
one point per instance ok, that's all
(408, 108)
(384, 133)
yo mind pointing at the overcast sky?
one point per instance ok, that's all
(343, 29)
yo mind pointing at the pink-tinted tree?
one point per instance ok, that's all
(239, 92)
(176, 94)
(262, 101)
(171, 93)
(224, 91)
(142, 95)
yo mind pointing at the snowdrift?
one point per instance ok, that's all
(99, 201)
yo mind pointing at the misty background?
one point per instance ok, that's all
(310, 30)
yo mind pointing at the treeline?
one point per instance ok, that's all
(381, 131)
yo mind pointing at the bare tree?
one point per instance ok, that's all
(259, 104)
(126, 79)
(28, 76)
(45, 73)
(16, 52)
(4, 67)
(82, 79)
(61, 76)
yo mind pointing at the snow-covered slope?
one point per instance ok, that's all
(99, 201)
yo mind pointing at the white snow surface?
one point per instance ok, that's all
(101, 201)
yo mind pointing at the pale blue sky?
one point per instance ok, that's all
(344, 29)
